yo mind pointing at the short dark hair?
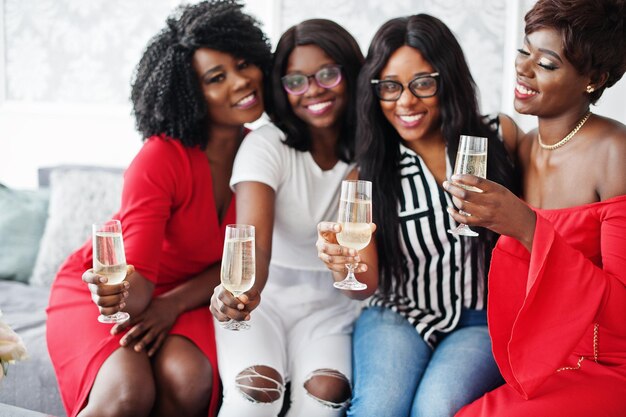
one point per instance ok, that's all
(593, 33)
(166, 92)
(378, 153)
(344, 50)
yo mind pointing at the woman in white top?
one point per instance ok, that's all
(287, 177)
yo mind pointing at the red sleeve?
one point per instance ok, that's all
(148, 199)
(541, 303)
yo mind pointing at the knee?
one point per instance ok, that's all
(328, 386)
(126, 403)
(186, 385)
(260, 384)
(434, 407)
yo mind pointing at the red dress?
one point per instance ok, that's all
(171, 233)
(557, 317)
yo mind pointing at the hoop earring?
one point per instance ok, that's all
(590, 89)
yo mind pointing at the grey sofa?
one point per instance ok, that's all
(38, 230)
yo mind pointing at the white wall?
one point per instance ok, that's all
(43, 129)
(58, 107)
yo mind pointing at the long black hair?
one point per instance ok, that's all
(339, 45)
(166, 92)
(378, 153)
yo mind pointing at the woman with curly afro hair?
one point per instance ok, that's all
(199, 80)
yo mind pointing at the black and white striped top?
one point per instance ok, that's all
(443, 276)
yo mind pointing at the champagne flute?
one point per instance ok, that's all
(238, 265)
(471, 158)
(355, 217)
(109, 260)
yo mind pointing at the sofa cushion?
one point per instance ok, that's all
(78, 198)
(22, 221)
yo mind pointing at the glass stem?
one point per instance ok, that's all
(351, 268)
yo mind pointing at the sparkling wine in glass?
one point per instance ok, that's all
(238, 265)
(109, 260)
(471, 158)
(355, 217)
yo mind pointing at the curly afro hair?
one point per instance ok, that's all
(593, 34)
(166, 93)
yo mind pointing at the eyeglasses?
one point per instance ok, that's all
(422, 86)
(298, 84)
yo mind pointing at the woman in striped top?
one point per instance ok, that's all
(421, 345)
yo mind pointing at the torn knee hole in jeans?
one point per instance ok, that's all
(258, 385)
(333, 384)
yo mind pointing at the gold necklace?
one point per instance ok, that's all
(566, 138)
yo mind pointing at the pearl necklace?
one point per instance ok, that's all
(566, 138)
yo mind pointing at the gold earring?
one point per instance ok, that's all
(590, 89)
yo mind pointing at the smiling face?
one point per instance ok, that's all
(547, 83)
(413, 118)
(318, 107)
(232, 87)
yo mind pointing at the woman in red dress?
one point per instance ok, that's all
(199, 80)
(557, 284)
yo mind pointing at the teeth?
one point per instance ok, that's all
(246, 100)
(319, 106)
(411, 118)
(525, 91)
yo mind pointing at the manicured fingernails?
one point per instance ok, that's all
(446, 184)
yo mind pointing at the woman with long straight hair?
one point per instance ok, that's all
(420, 346)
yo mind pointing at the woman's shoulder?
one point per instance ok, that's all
(268, 132)
(608, 149)
(266, 139)
(160, 153)
(609, 131)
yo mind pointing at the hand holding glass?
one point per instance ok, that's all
(238, 265)
(355, 217)
(109, 260)
(471, 158)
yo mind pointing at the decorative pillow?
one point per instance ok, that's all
(22, 220)
(78, 198)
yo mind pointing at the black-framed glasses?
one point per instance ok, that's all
(422, 86)
(326, 77)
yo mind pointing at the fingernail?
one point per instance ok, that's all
(240, 306)
(336, 227)
(126, 284)
(357, 259)
(122, 305)
(445, 185)
(103, 280)
(123, 342)
(449, 210)
(137, 348)
(125, 294)
(247, 317)
(455, 177)
(352, 252)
